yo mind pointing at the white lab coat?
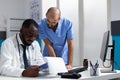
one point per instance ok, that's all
(11, 61)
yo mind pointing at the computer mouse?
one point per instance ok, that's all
(71, 75)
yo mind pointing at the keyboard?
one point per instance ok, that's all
(77, 70)
(73, 73)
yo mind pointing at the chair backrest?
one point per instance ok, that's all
(40, 42)
(1, 40)
(2, 37)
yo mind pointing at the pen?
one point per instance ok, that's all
(91, 65)
(96, 65)
(96, 62)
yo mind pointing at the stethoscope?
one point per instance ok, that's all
(19, 49)
(18, 45)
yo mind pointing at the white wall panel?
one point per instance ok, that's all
(70, 10)
(115, 10)
(47, 4)
(95, 23)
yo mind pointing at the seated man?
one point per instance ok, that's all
(20, 54)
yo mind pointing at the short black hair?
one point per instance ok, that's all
(28, 22)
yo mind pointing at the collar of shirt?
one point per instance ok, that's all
(20, 41)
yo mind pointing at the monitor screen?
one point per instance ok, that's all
(104, 46)
(115, 27)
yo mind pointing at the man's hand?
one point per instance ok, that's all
(32, 71)
(69, 67)
(49, 47)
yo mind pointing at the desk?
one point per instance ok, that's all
(85, 76)
(101, 76)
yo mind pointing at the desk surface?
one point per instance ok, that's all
(101, 76)
(85, 76)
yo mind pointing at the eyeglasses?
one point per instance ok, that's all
(52, 22)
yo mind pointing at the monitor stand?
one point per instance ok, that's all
(107, 71)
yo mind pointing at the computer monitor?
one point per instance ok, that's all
(104, 46)
(104, 49)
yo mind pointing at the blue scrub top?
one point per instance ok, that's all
(58, 38)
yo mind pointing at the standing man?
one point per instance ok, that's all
(57, 35)
(20, 54)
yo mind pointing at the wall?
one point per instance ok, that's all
(11, 9)
(115, 11)
(95, 23)
(43, 7)
(72, 12)
(50, 3)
